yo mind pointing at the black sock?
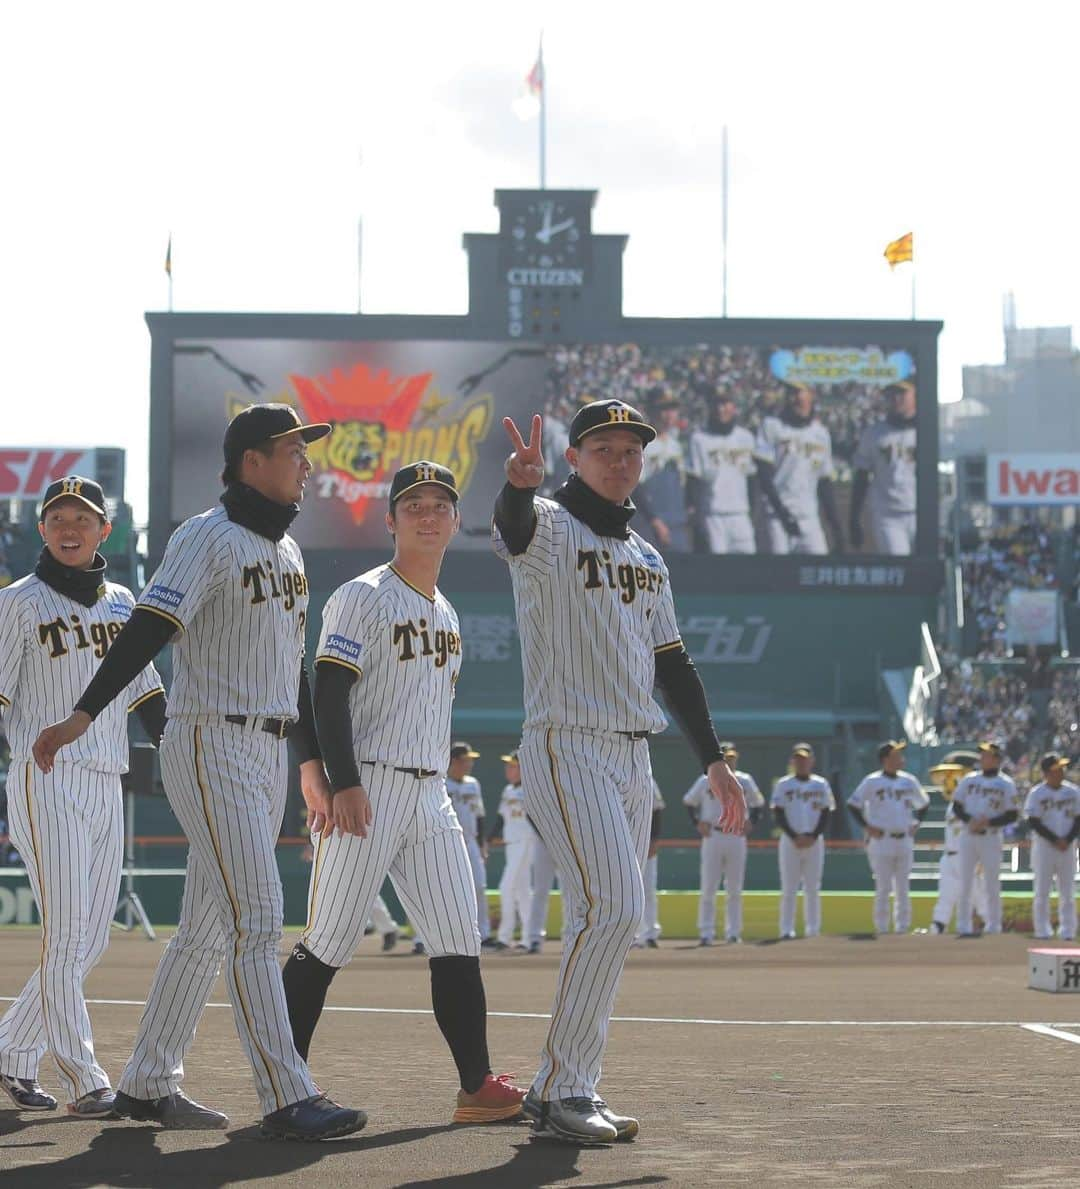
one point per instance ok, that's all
(457, 995)
(306, 982)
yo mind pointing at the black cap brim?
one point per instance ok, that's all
(70, 495)
(310, 433)
(645, 432)
(427, 483)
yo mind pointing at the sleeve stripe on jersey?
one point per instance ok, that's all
(668, 647)
(164, 614)
(334, 660)
(146, 698)
(4, 701)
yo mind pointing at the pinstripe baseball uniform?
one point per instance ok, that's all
(981, 795)
(887, 452)
(467, 798)
(592, 611)
(238, 600)
(67, 825)
(406, 650)
(1057, 811)
(802, 801)
(801, 455)
(724, 463)
(723, 857)
(515, 887)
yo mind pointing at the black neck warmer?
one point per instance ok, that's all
(721, 427)
(790, 417)
(898, 422)
(602, 516)
(266, 517)
(84, 586)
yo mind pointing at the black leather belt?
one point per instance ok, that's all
(419, 773)
(279, 727)
(635, 735)
(894, 834)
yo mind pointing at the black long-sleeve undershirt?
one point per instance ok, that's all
(304, 738)
(678, 681)
(1036, 823)
(827, 499)
(151, 712)
(782, 822)
(515, 517)
(857, 814)
(822, 822)
(333, 723)
(1004, 819)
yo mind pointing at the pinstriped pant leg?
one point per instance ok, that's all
(583, 792)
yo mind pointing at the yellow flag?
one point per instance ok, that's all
(901, 250)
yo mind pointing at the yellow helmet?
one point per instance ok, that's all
(953, 766)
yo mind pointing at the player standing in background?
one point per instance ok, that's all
(889, 804)
(946, 775)
(1053, 812)
(648, 934)
(515, 888)
(723, 856)
(794, 450)
(232, 596)
(384, 924)
(597, 624)
(543, 881)
(56, 625)
(467, 799)
(387, 665)
(801, 805)
(984, 801)
(661, 496)
(722, 474)
(884, 465)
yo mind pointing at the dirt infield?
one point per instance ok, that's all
(833, 1062)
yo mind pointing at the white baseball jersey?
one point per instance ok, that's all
(699, 796)
(664, 451)
(571, 586)
(512, 811)
(50, 648)
(1057, 809)
(801, 455)
(724, 462)
(890, 803)
(408, 649)
(887, 452)
(226, 659)
(986, 796)
(803, 801)
(467, 799)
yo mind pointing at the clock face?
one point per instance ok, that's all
(546, 233)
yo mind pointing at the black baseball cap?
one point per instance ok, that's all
(609, 414)
(802, 749)
(416, 474)
(510, 758)
(889, 746)
(728, 749)
(261, 423)
(463, 749)
(1052, 760)
(75, 487)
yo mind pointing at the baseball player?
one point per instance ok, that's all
(984, 801)
(543, 880)
(722, 473)
(232, 596)
(511, 825)
(384, 924)
(388, 660)
(56, 626)
(946, 775)
(597, 624)
(661, 496)
(648, 934)
(723, 856)
(801, 805)
(884, 465)
(1053, 812)
(889, 804)
(467, 799)
(795, 451)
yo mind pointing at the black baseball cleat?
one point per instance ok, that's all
(389, 940)
(312, 1119)
(534, 947)
(651, 943)
(173, 1112)
(27, 1094)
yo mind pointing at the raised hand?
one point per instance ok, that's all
(525, 466)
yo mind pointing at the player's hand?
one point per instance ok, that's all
(874, 832)
(525, 467)
(352, 811)
(1063, 844)
(727, 790)
(704, 829)
(789, 524)
(315, 789)
(60, 734)
(663, 533)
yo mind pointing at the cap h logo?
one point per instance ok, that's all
(618, 414)
(72, 487)
(425, 473)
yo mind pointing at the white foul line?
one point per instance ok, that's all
(1046, 1030)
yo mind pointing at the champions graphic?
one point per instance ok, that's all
(381, 421)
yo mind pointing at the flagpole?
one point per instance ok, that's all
(543, 117)
(913, 289)
(359, 264)
(168, 258)
(724, 217)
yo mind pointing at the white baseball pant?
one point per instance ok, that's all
(949, 888)
(68, 827)
(729, 534)
(380, 917)
(810, 537)
(590, 795)
(543, 880)
(1047, 865)
(893, 533)
(891, 861)
(515, 891)
(723, 858)
(985, 849)
(801, 868)
(649, 930)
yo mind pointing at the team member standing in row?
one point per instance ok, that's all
(388, 660)
(467, 798)
(984, 801)
(1053, 812)
(801, 805)
(515, 887)
(884, 465)
(56, 625)
(232, 595)
(723, 856)
(543, 882)
(597, 624)
(889, 804)
(648, 934)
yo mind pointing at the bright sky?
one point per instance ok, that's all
(258, 132)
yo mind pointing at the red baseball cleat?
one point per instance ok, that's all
(498, 1098)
